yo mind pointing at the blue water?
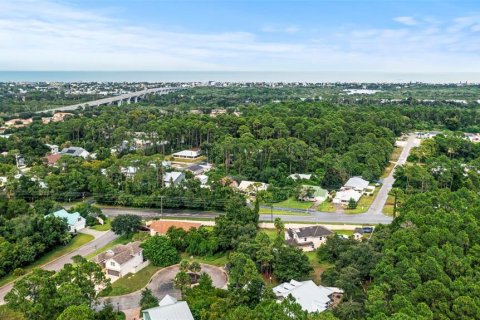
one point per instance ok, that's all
(223, 76)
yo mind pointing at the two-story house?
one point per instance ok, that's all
(121, 260)
(308, 238)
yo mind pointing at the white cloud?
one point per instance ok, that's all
(406, 20)
(46, 35)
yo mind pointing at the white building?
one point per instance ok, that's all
(252, 187)
(169, 309)
(300, 176)
(53, 148)
(74, 220)
(75, 152)
(344, 196)
(307, 238)
(188, 154)
(356, 183)
(121, 260)
(173, 178)
(129, 172)
(308, 295)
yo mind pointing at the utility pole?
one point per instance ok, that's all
(161, 206)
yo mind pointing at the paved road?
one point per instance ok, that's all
(377, 205)
(373, 215)
(101, 240)
(161, 284)
(115, 99)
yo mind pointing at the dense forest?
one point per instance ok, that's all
(425, 265)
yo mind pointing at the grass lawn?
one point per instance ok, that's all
(345, 232)
(327, 206)
(393, 158)
(78, 241)
(102, 227)
(364, 203)
(218, 260)
(6, 313)
(271, 233)
(318, 268)
(388, 207)
(132, 282)
(292, 203)
(281, 212)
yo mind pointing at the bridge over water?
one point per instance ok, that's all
(119, 100)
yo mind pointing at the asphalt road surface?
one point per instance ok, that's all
(161, 284)
(102, 238)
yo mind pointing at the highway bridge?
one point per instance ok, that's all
(119, 100)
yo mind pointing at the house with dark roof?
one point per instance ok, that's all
(307, 238)
(75, 152)
(121, 260)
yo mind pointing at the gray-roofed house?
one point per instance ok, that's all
(121, 260)
(307, 238)
(308, 295)
(358, 234)
(173, 178)
(356, 183)
(75, 152)
(169, 308)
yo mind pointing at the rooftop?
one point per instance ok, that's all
(162, 226)
(307, 294)
(169, 309)
(120, 253)
(72, 218)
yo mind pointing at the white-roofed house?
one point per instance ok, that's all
(356, 183)
(188, 154)
(129, 171)
(252, 187)
(300, 176)
(308, 295)
(169, 308)
(173, 178)
(344, 196)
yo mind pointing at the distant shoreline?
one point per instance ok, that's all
(238, 76)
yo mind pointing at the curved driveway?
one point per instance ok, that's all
(161, 284)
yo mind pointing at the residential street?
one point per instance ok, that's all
(101, 239)
(373, 215)
(161, 284)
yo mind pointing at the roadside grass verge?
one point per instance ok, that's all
(291, 203)
(388, 207)
(327, 206)
(102, 227)
(76, 242)
(364, 203)
(282, 212)
(8, 314)
(393, 158)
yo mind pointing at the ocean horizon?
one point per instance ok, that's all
(237, 76)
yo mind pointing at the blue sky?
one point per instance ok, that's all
(296, 35)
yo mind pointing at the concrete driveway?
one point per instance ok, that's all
(161, 284)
